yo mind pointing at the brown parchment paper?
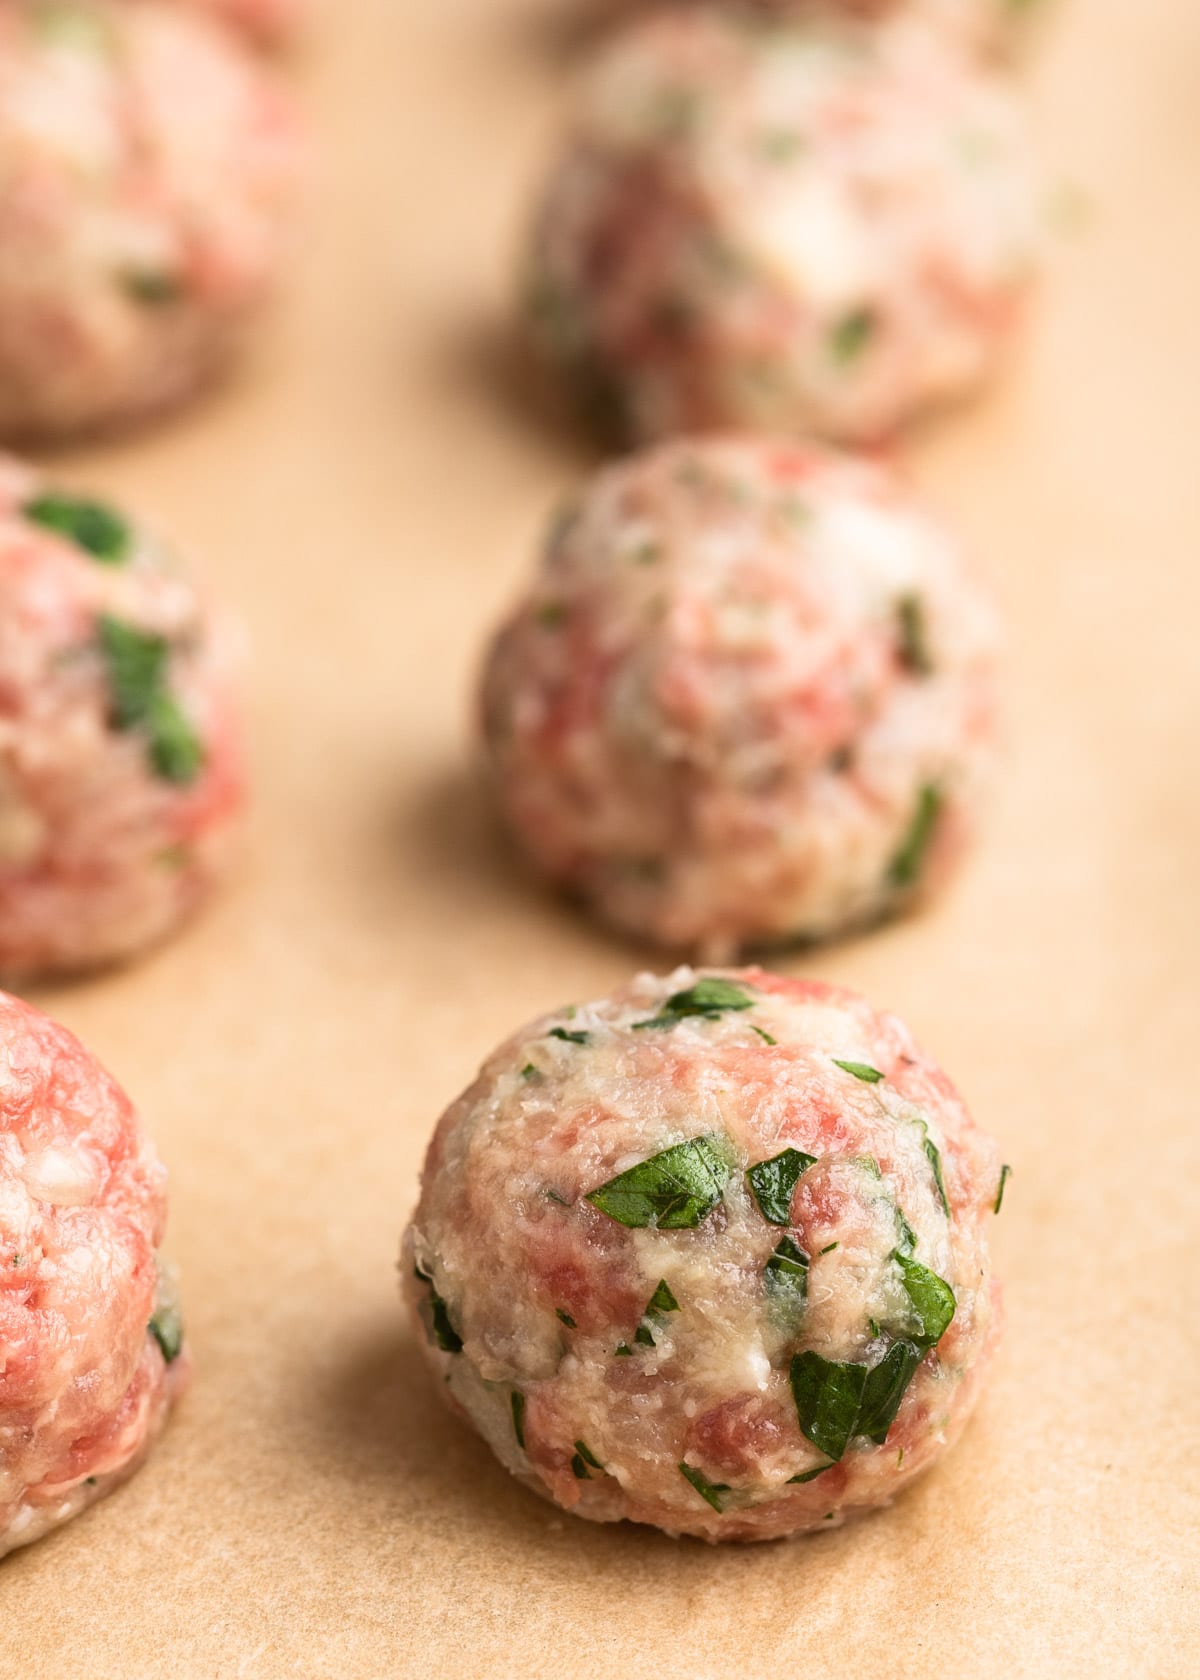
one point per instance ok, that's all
(367, 491)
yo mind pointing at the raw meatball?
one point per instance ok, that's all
(818, 228)
(709, 1254)
(270, 22)
(976, 22)
(90, 1337)
(120, 758)
(750, 697)
(145, 160)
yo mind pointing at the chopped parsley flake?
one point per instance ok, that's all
(444, 1335)
(518, 1417)
(860, 1070)
(710, 1492)
(772, 1183)
(566, 1318)
(662, 1301)
(708, 998)
(905, 867)
(786, 1277)
(584, 1462)
(568, 1037)
(931, 1298)
(90, 525)
(1005, 1173)
(838, 1400)
(167, 1329)
(935, 1161)
(809, 1475)
(673, 1190)
(852, 334)
(137, 664)
(151, 286)
(914, 636)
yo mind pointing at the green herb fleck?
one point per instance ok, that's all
(828, 1395)
(518, 1417)
(809, 1475)
(708, 998)
(852, 334)
(567, 1037)
(662, 1301)
(167, 1329)
(528, 1071)
(584, 1462)
(837, 1400)
(905, 867)
(906, 1241)
(781, 145)
(1005, 1173)
(935, 1161)
(931, 1297)
(914, 636)
(786, 1277)
(137, 675)
(884, 1390)
(623, 1351)
(710, 1492)
(674, 1190)
(772, 1183)
(873, 1326)
(89, 525)
(444, 1334)
(566, 1318)
(553, 1196)
(860, 1070)
(151, 286)
(828, 1249)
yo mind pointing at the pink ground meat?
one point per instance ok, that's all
(121, 780)
(709, 1254)
(91, 1351)
(819, 227)
(271, 22)
(989, 23)
(749, 697)
(146, 161)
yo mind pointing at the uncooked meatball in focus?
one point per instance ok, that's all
(146, 159)
(120, 757)
(750, 697)
(814, 227)
(709, 1254)
(91, 1343)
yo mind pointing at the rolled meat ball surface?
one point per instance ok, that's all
(91, 1343)
(121, 779)
(709, 1254)
(978, 23)
(750, 697)
(146, 162)
(271, 23)
(816, 227)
